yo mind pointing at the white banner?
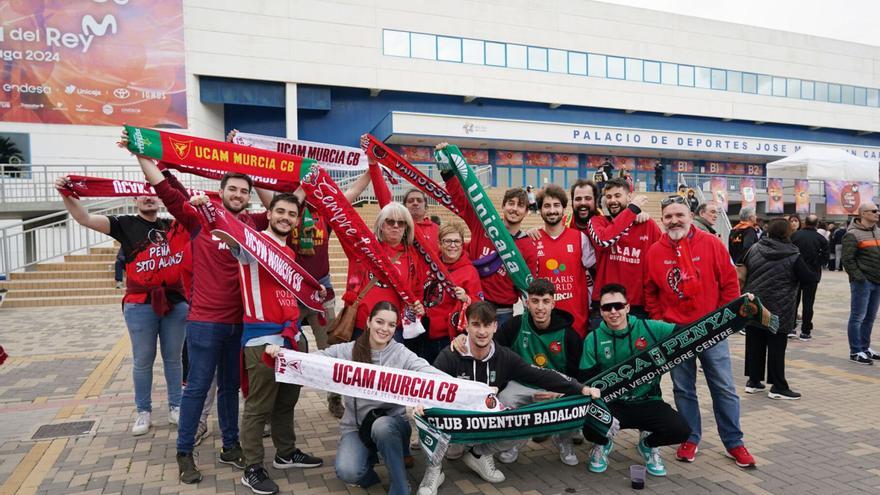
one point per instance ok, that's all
(329, 156)
(380, 383)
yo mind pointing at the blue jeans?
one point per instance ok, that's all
(354, 461)
(211, 347)
(865, 297)
(725, 402)
(144, 327)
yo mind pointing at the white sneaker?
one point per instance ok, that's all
(566, 450)
(455, 451)
(142, 424)
(173, 415)
(432, 480)
(509, 456)
(483, 466)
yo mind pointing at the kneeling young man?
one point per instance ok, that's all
(495, 366)
(618, 338)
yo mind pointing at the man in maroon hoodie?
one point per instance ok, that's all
(689, 275)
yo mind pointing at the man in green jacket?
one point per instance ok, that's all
(618, 338)
(861, 260)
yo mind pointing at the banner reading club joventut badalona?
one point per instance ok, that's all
(92, 62)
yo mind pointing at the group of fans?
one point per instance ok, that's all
(607, 285)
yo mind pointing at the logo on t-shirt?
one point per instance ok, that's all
(157, 237)
(555, 347)
(673, 279)
(540, 359)
(641, 344)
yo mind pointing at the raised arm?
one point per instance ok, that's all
(79, 213)
(357, 187)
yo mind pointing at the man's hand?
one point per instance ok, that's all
(323, 293)
(419, 410)
(642, 217)
(272, 350)
(199, 200)
(592, 392)
(231, 135)
(640, 200)
(419, 308)
(440, 146)
(62, 182)
(461, 295)
(539, 396)
(534, 234)
(123, 139)
(459, 344)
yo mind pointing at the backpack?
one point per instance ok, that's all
(735, 244)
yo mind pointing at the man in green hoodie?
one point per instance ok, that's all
(861, 260)
(618, 338)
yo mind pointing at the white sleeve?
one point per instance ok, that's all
(588, 254)
(242, 256)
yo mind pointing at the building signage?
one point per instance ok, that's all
(451, 126)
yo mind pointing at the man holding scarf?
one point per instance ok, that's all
(427, 231)
(690, 274)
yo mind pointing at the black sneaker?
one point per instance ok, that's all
(189, 473)
(861, 358)
(257, 479)
(871, 354)
(754, 387)
(783, 394)
(805, 337)
(297, 459)
(232, 456)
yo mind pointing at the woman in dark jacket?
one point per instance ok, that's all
(775, 269)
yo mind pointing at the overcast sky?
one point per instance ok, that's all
(849, 20)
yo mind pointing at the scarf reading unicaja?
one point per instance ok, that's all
(450, 159)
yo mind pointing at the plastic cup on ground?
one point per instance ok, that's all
(637, 476)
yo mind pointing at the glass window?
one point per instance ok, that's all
(734, 81)
(495, 54)
(516, 56)
(765, 85)
(703, 77)
(873, 97)
(778, 86)
(424, 46)
(633, 69)
(669, 73)
(719, 79)
(577, 63)
(808, 90)
(616, 68)
(395, 43)
(596, 65)
(473, 52)
(793, 88)
(834, 93)
(822, 91)
(847, 95)
(449, 49)
(685, 75)
(652, 71)
(750, 83)
(537, 58)
(861, 96)
(558, 61)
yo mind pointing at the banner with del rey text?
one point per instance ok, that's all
(381, 383)
(775, 203)
(844, 197)
(802, 196)
(329, 156)
(93, 62)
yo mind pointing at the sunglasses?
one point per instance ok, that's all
(451, 242)
(872, 211)
(395, 223)
(607, 307)
(672, 199)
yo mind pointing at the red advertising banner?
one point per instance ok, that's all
(844, 198)
(476, 157)
(802, 196)
(95, 63)
(596, 161)
(748, 193)
(565, 160)
(417, 154)
(538, 159)
(718, 187)
(508, 157)
(646, 164)
(775, 203)
(624, 163)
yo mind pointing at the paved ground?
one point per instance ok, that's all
(74, 363)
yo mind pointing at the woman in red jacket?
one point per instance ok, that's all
(442, 311)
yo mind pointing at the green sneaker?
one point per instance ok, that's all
(599, 457)
(653, 462)
(233, 456)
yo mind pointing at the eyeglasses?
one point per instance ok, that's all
(872, 211)
(451, 242)
(672, 199)
(607, 307)
(395, 223)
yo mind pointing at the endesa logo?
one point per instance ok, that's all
(27, 88)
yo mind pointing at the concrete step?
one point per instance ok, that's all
(104, 250)
(36, 302)
(92, 257)
(15, 285)
(75, 266)
(69, 274)
(77, 290)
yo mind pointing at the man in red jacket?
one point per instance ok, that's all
(689, 275)
(416, 202)
(622, 239)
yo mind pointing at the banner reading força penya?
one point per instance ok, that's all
(269, 255)
(684, 344)
(381, 383)
(81, 186)
(328, 156)
(380, 152)
(206, 153)
(450, 158)
(844, 197)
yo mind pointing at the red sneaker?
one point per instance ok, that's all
(742, 457)
(687, 452)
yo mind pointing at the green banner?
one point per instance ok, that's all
(450, 159)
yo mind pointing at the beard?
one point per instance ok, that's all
(276, 229)
(552, 220)
(677, 233)
(234, 209)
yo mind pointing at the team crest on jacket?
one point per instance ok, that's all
(641, 344)
(607, 353)
(540, 359)
(555, 347)
(673, 279)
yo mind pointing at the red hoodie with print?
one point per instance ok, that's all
(441, 307)
(711, 272)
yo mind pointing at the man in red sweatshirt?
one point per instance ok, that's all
(689, 275)
(622, 239)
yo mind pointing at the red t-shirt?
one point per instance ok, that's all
(715, 271)
(621, 252)
(263, 297)
(440, 307)
(564, 261)
(214, 298)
